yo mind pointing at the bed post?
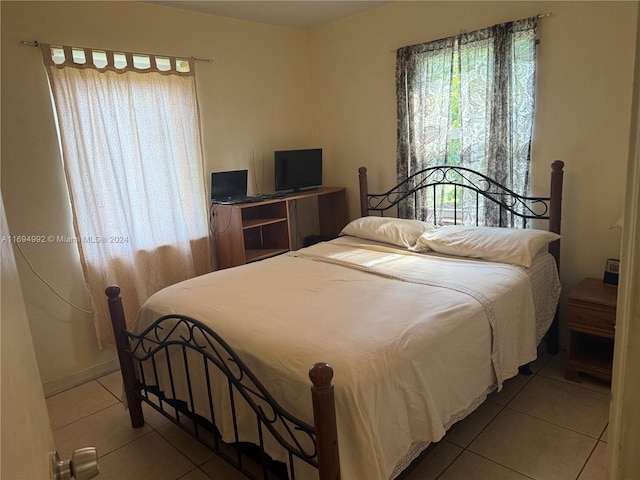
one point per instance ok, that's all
(364, 191)
(126, 363)
(324, 418)
(555, 216)
(555, 209)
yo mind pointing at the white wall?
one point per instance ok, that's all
(584, 85)
(25, 437)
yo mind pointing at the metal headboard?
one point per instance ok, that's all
(478, 184)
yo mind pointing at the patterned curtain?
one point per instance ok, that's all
(468, 101)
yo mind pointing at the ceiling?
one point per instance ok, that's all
(303, 14)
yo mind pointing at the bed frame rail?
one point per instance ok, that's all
(151, 375)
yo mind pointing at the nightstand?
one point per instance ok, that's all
(591, 323)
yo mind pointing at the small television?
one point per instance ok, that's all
(297, 169)
(228, 185)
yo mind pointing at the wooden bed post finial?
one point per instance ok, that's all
(557, 165)
(113, 292)
(127, 369)
(364, 191)
(324, 418)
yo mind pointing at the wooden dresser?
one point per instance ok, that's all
(591, 323)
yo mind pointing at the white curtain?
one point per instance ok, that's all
(133, 160)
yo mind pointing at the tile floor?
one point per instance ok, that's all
(539, 427)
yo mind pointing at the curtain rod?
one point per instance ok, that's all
(540, 15)
(35, 43)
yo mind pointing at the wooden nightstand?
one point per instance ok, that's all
(591, 322)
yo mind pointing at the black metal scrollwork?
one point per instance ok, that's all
(296, 436)
(469, 180)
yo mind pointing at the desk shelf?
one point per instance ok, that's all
(259, 222)
(250, 232)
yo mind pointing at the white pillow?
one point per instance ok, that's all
(396, 231)
(506, 245)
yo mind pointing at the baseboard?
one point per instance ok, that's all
(65, 383)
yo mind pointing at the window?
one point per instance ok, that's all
(468, 100)
(130, 137)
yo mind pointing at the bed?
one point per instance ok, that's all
(416, 324)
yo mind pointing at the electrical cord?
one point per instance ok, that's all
(212, 230)
(48, 284)
(213, 208)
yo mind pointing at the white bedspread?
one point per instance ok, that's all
(416, 341)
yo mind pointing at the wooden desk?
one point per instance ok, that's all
(591, 323)
(249, 232)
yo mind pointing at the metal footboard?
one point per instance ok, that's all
(188, 373)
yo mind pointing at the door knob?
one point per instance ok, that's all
(83, 465)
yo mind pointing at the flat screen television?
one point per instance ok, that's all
(297, 169)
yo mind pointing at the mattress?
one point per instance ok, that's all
(416, 341)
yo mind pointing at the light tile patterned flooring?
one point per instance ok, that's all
(539, 427)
